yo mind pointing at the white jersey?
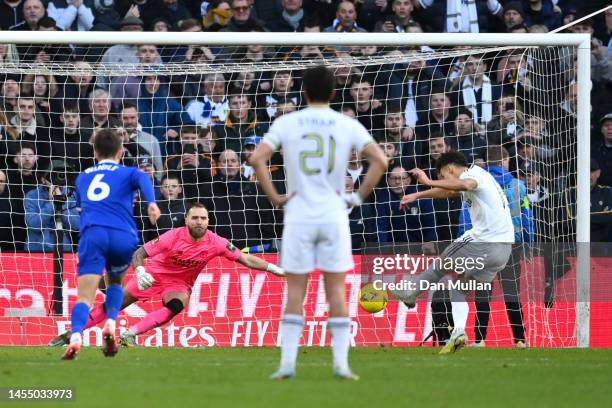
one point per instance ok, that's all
(316, 143)
(488, 207)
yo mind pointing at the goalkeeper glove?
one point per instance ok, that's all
(275, 270)
(144, 279)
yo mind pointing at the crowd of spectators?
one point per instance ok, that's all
(193, 133)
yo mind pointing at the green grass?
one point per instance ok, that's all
(390, 377)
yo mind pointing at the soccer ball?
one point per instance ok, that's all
(372, 300)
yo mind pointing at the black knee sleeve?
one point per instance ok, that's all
(175, 306)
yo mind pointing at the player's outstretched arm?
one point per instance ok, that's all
(253, 262)
(431, 193)
(259, 160)
(447, 184)
(377, 165)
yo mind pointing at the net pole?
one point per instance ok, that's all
(583, 196)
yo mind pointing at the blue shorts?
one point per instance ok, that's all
(102, 247)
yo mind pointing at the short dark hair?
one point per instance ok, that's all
(107, 143)
(25, 145)
(128, 105)
(196, 204)
(71, 107)
(465, 111)
(191, 129)
(171, 175)
(319, 83)
(452, 157)
(496, 154)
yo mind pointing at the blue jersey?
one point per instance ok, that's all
(105, 194)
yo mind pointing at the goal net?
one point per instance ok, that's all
(190, 116)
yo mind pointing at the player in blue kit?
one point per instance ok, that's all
(105, 195)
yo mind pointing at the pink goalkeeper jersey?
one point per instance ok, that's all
(174, 255)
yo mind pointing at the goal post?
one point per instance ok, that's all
(480, 43)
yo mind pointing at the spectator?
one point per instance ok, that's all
(601, 207)
(399, 20)
(159, 114)
(356, 168)
(346, 19)
(20, 180)
(507, 123)
(603, 153)
(7, 242)
(370, 111)
(514, 15)
(31, 127)
(40, 205)
(128, 87)
(33, 10)
(192, 165)
(236, 211)
(120, 54)
(100, 117)
(76, 88)
(71, 15)
(172, 206)
(291, 19)
(395, 130)
(603, 31)
(240, 123)
(438, 144)
(415, 223)
(250, 143)
(70, 143)
(455, 16)
(46, 53)
(161, 25)
(542, 12)
(213, 107)
(601, 62)
(218, 17)
(175, 12)
(11, 14)
(540, 200)
(10, 94)
(281, 89)
(466, 140)
(439, 120)
(476, 92)
(361, 220)
(284, 106)
(129, 122)
(242, 19)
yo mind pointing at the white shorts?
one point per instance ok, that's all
(306, 247)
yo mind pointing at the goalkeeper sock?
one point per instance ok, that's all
(96, 315)
(114, 299)
(291, 331)
(80, 312)
(152, 320)
(340, 331)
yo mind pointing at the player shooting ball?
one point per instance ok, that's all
(167, 268)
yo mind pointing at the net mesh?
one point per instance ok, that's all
(191, 115)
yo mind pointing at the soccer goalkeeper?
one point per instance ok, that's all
(173, 262)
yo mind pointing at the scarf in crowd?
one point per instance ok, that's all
(294, 21)
(470, 102)
(339, 28)
(454, 15)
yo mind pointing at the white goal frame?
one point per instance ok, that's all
(581, 41)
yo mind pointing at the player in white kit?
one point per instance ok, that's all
(488, 243)
(316, 143)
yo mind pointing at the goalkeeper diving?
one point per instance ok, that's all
(490, 238)
(167, 268)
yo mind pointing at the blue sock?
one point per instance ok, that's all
(114, 299)
(80, 314)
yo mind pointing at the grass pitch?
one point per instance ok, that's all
(390, 377)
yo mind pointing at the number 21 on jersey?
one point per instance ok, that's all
(318, 152)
